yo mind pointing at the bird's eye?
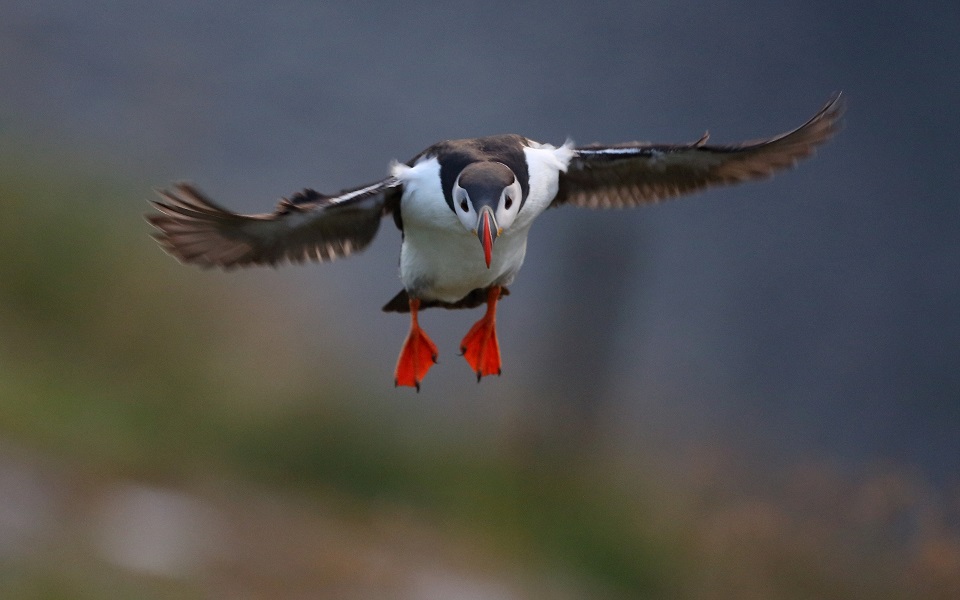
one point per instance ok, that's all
(508, 203)
(463, 205)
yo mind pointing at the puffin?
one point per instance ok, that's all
(464, 208)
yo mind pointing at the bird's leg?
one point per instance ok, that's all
(418, 354)
(480, 346)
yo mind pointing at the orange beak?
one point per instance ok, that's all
(487, 232)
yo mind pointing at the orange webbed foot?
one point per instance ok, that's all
(480, 347)
(418, 354)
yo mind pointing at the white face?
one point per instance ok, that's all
(505, 213)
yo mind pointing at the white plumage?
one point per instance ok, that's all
(439, 259)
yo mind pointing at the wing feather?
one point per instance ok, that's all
(308, 226)
(631, 174)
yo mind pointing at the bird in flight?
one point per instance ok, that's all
(464, 208)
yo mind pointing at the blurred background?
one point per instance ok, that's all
(749, 393)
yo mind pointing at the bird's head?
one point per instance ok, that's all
(486, 198)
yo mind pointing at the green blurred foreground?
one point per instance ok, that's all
(157, 441)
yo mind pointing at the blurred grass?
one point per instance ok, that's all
(545, 510)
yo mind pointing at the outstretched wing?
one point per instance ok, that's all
(630, 174)
(308, 226)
